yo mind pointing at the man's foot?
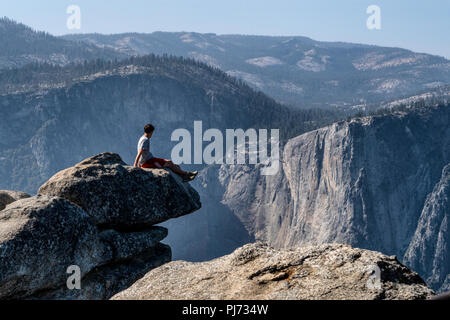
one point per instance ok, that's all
(194, 174)
(190, 176)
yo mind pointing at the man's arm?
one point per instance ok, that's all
(138, 157)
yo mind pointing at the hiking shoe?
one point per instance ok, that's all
(190, 176)
(194, 173)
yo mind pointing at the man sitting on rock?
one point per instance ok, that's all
(145, 158)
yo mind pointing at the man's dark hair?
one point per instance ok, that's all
(149, 128)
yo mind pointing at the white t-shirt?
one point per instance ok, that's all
(144, 144)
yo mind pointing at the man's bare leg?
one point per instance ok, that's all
(175, 168)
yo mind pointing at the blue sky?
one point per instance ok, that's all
(419, 25)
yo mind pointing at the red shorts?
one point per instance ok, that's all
(154, 163)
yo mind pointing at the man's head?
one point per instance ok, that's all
(148, 130)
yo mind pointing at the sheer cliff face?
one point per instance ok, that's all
(429, 251)
(362, 182)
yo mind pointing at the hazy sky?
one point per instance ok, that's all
(419, 25)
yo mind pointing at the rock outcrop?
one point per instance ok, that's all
(42, 236)
(119, 196)
(257, 271)
(7, 197)
(115, 275)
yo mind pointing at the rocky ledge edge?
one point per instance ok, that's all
(96, 218)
